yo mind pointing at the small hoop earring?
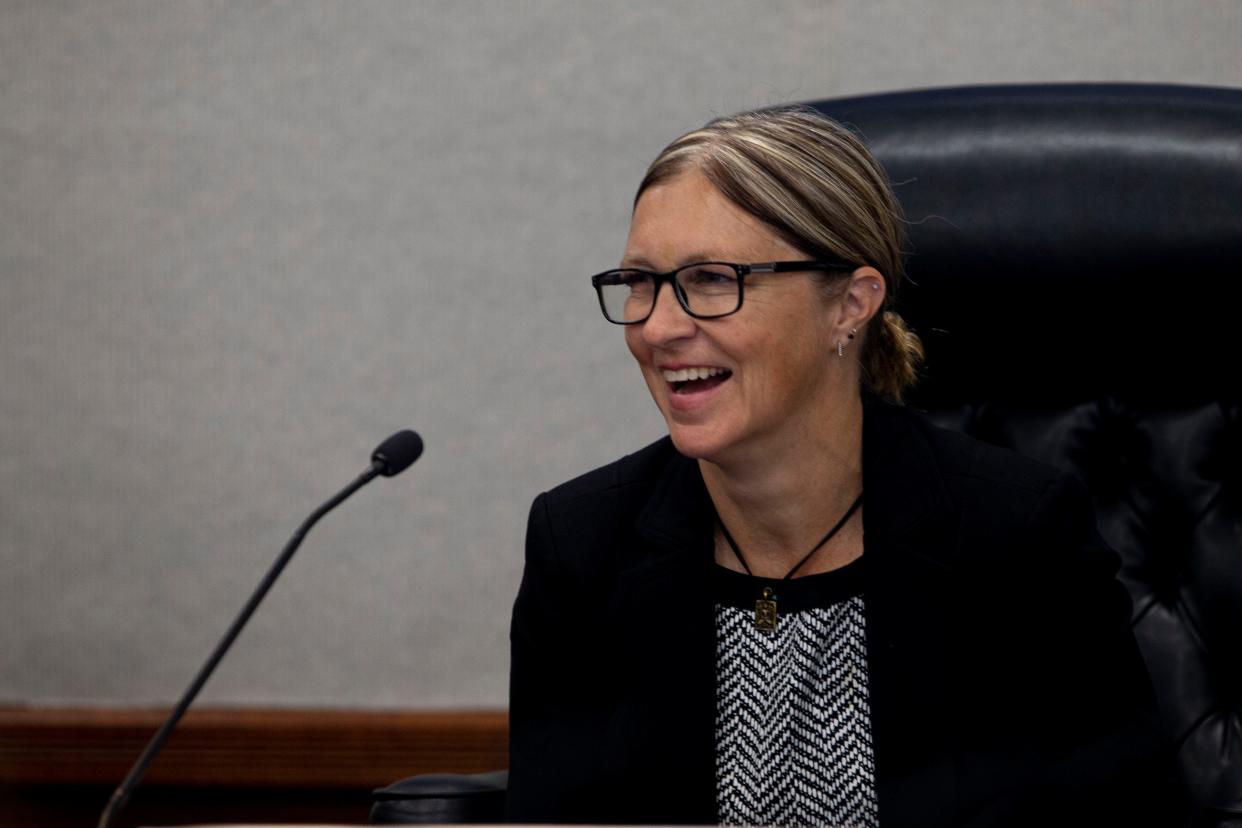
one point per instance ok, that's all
(852, 332)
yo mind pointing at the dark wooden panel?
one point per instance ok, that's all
(278, 748)
(77, 806)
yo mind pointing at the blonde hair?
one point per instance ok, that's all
(820, 189)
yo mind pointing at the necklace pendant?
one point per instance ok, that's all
(765, 611)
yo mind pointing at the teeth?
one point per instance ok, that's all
(686, 374)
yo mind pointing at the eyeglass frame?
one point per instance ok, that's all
(742, 271)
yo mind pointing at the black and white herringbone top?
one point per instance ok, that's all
(793, 720)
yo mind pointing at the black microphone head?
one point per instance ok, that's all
(395, 454)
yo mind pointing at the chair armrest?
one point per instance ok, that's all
(442, 798)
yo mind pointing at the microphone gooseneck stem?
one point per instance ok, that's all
(121, 794)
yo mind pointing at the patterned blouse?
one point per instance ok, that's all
(793, 719)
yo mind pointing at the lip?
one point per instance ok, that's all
(692, 402)
(677, 366)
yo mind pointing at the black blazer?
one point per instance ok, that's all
(1005, 683)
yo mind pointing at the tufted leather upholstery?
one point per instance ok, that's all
(1073, 250)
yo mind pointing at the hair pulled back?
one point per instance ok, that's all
(820, 189)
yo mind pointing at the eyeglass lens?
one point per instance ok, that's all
(704, 290)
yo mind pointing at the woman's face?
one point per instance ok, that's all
(775, 365)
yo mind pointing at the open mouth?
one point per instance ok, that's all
(695, 380)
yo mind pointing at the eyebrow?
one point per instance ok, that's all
(642, 263)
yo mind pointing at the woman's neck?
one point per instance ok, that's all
(779, 500)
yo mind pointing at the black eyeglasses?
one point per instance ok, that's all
(705, 290)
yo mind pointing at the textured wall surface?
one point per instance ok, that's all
(240, 243)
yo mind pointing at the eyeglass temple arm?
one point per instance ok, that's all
(786, 267)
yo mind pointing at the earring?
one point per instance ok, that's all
(841, 345)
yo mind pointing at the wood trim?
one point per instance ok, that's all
(248, 747)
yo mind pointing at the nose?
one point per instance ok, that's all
(668, 320)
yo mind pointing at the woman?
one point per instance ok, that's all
(704, 631)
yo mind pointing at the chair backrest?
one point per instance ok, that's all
(1072, 254)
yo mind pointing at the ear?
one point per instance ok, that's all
(862, 299)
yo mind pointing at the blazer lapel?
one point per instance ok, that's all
(665, 611)
(908, 554)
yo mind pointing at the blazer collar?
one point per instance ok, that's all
(905, 493)
(901, 481)
(679, 514)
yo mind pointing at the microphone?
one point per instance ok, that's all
(391, 457)
(395, 454)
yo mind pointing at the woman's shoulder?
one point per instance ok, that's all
(993, 491)
(636, 468)
(589, 518)
(997, 490)
(963, 458)
(1006, 510)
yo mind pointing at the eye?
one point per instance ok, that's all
(708, 277)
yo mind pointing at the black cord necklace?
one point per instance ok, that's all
(765, 604)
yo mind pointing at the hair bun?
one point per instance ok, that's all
(892, 356)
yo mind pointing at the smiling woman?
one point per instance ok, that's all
(778, 381)
(715, 629)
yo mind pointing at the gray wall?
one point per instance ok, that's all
(242, 242)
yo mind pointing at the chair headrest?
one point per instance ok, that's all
(1066, 241)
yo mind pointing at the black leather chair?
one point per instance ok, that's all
(1072, 252)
